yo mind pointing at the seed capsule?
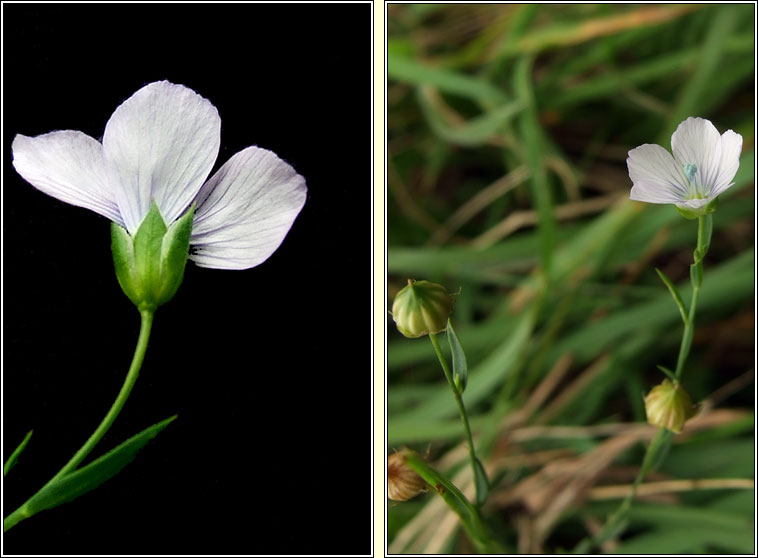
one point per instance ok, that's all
(668, 406)
(421, 308)
(403, 483)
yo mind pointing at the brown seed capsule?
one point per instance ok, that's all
(668, 406)
(403, 483)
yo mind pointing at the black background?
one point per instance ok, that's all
(269, 369)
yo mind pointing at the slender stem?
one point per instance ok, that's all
(458, 400)
(704, 226)
(617, 521)
(131, 377)
(689, 330)
(658, 447)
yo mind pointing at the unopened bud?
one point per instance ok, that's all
(668, 406)
(421, 308)
(403, 483)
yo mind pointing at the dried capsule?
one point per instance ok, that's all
(403, 483)
(421, 308)
(668, 406)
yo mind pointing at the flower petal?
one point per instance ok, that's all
(69, 166)
(731, 148)
(162, 141)
(697, 141)
(655, 175)
(245, 210)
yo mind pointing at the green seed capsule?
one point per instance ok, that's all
(668, 406)
(421, 308)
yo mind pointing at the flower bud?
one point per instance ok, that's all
(150, 265)
(668, 406)
(421, 308)
(403, 483)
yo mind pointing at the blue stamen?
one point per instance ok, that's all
(690, 170)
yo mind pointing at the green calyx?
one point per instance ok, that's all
(150, 265)
(692, 213)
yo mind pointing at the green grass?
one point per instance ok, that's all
(560, 264)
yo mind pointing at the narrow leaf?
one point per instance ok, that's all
(83, 480)
(460, 368)
(481, 482)
(674, 293)
(473, 132)
(14, 456)
(668, 373)
(412, 72)
(450, 493)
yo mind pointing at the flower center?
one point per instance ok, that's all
(690, 170)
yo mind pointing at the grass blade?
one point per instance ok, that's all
(14, 456)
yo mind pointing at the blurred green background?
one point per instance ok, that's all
(508, 132)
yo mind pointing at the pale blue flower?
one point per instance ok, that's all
(159, 146)
(702, 167)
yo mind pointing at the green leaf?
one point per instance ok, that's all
(482, 484)
(460, 368)
(452, 496)
(409, 71)
(534, 145)
(668, 373)
(83, 480)
(674, 293)
(473, 132)
(14, 456)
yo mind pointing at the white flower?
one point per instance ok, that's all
(703, 166)
(160, 145)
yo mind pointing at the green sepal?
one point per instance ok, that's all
(14, 456)
(81, 481)
(174, 252)
(691, 213)
(150, 265)
(460, 368)
(147, 257)
(122, 249)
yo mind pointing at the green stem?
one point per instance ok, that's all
(131, 377)
(658, 447)
(461, 407)
(617, 522)
(689, 330)
(704, 228)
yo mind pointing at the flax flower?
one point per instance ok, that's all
(159, 146)
(702, 167)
